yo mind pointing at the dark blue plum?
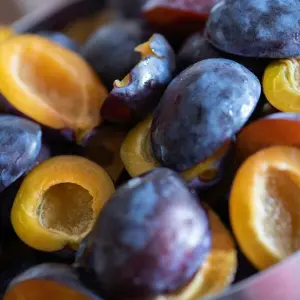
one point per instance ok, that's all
(61, 39)
(256, 28)
(147, 81)
(202, 108)
(151, 237)
(20, 145)
(110, 50)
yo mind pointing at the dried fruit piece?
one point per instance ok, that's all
(59, 201)
(6, 33)
(264, 205)
(32, 68)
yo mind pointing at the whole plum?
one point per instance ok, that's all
(110, 50)
(197, 48)
(151, 237)
(202, 108)
(20, 142)
(61, 39)
(256, 28)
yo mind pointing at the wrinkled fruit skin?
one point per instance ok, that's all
(256, 28)
(148, 80)
(61, 39)
(110, 50)
(197, 48)
(151, 237)
(20, 142)
(203, 107)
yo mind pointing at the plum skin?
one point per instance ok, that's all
(256, 28)
(110, 50)
(61, 39)
(150, 239)
(202, 108)
(147, 82)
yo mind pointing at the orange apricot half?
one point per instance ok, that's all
(59, 201)
(281, 129)
(37, 289)
(265, 205)
(50, 84)
(6, 33)
(218, 270)
(138, 158)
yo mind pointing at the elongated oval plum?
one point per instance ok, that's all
(151, 238)
(48, 281)
(20, 145)
(137, 95)
(203, 107)
(256, 28)
(110, 50)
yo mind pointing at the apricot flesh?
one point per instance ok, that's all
(32, 67)
(152, 229)
(58, 202)
(279, 129)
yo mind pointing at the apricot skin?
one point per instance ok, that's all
(152, 229)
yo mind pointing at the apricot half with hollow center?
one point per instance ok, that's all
(59, 201)
(265, 205)
(50, 84)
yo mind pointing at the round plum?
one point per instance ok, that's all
(20, 142)
(256, 28)
(151, 237)
(110, 50)
(202, 108)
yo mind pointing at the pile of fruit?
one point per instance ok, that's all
(152, 153)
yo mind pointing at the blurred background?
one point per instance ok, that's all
(12, 10)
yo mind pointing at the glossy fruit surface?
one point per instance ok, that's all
(280, 84)
(264, 205)
(113, 58)
(37, 90)
(181, 15)
(256, 28)
(279, 129)
(138, 157)
(48, 281)
(195, 117)
(134, 237)
(103, 146)
(20, 143)
(61, 39)
(58, 202)
(136, 96)
(218, 270)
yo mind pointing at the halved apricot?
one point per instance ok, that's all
(58, 202)
(265, 205)
(50, 84)
(37, 289)
(281, 84)
(138, 158)
(6, 33)
(218, 270)
(282, 129)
